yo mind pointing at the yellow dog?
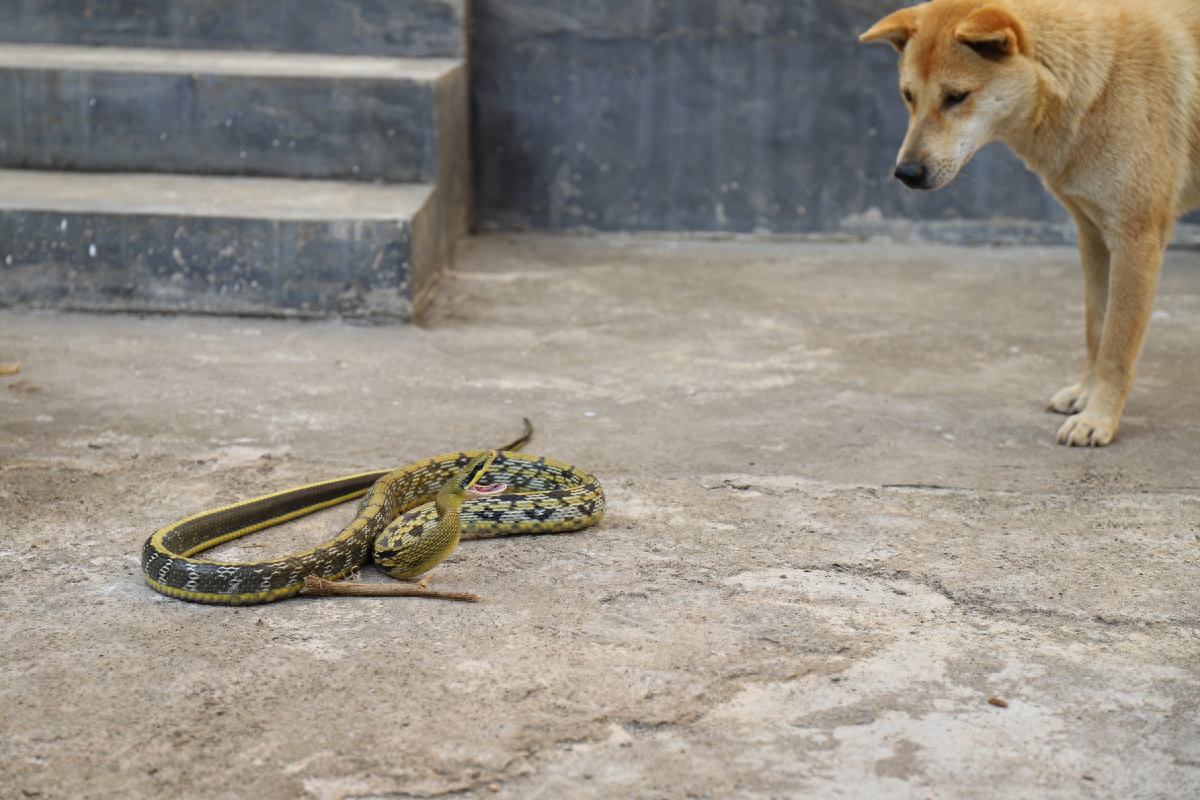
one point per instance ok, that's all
(1102, 100)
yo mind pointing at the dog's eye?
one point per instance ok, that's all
(955, 98)
(908, 97)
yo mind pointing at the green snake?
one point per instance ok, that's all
(410, 519)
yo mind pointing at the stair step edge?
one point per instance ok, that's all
(263, 64)
(208, 196)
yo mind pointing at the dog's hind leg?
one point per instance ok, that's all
(1095, 257)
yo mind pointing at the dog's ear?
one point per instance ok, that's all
(896, 28)
(993, 33)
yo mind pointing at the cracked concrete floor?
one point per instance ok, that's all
(838, 526)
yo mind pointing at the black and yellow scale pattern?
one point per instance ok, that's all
(543, 496)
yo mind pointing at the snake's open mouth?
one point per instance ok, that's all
(487, 489)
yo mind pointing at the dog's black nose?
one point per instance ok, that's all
(912, 173)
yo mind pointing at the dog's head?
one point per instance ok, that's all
(965, 75)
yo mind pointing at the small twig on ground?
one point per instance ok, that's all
(319, 587)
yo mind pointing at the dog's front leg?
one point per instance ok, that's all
(1136, 261)
(1094, 255)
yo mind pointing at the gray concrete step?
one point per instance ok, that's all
(367, 27)
(229, 113)
(138, 242)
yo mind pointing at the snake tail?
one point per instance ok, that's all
(522, 440)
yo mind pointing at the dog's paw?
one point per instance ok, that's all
(1070, 400)
(1087, 430)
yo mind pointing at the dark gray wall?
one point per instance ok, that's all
(370, 27)
(712, 115)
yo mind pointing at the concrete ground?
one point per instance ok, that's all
(838, 527)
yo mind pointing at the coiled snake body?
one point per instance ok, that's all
(396, 518)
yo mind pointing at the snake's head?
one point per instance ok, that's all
(465, 481)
